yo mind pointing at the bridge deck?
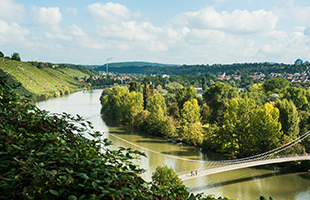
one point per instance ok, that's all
(244, 165)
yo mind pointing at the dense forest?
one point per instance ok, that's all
(224, 119)
(196, 70)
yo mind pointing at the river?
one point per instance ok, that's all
(243, 184)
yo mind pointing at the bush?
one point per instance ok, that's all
(15, 56)
(45, 156)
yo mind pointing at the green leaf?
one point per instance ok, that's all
(54, 192)
(72, 197)
(94, 184)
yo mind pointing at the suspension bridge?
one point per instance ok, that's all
(277, 155)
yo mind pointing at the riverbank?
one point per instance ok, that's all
(248, 183)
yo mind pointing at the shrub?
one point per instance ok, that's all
(45, 156)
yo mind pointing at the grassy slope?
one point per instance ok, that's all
(46, 81)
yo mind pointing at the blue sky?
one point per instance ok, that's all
(173, 32)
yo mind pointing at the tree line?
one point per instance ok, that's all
(198, 70)
(224, 119)
(14, 56)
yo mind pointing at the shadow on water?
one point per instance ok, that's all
(235, 181)
(181, 153)
(305, 175)
(151, 141)
(185, 151)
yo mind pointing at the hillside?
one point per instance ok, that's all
(43, 82)
(127, 66)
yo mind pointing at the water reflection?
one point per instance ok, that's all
(247, 183)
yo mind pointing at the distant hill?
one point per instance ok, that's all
(43, 80)
(124, 65)
(198, 70)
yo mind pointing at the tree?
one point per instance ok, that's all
(297, 95)
(185, 94)
(1, 54)
(173, 87)
(134, 86)
(112, 101)
(140, 120)
(265, 129)
(174, 111)
(157, 109)
(166, 178)
(15, 56)
(204, 83)
(304, 126)
(146, 94)
(168, 127)
(235, 136)
(133, 103)
(152, 89)
(289, 118)
(191, 111)
(190, 127)
(275, 85)
(246, 81)
(217, 97)
(160, 89)
(257, 93)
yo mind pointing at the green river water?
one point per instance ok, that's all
(243, 184)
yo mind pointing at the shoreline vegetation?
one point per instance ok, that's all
(237, 117)
(222, 120)
(45, 156)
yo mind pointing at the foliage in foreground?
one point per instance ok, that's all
(45, 156)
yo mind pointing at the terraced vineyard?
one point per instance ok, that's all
(42, 83)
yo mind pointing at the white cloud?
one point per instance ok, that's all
(130, 31)
(9, 10)
(288, 10)
(13, 37)
(47, 17)
(157, 46)
(208, 35)
(53, 36)
(276, 35)
(109, 12)
(294, 45)
(12, 29)
(241, 21)
(92, 43)
(123, 46)
(77, 31)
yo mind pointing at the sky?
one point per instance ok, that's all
(165, 31)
